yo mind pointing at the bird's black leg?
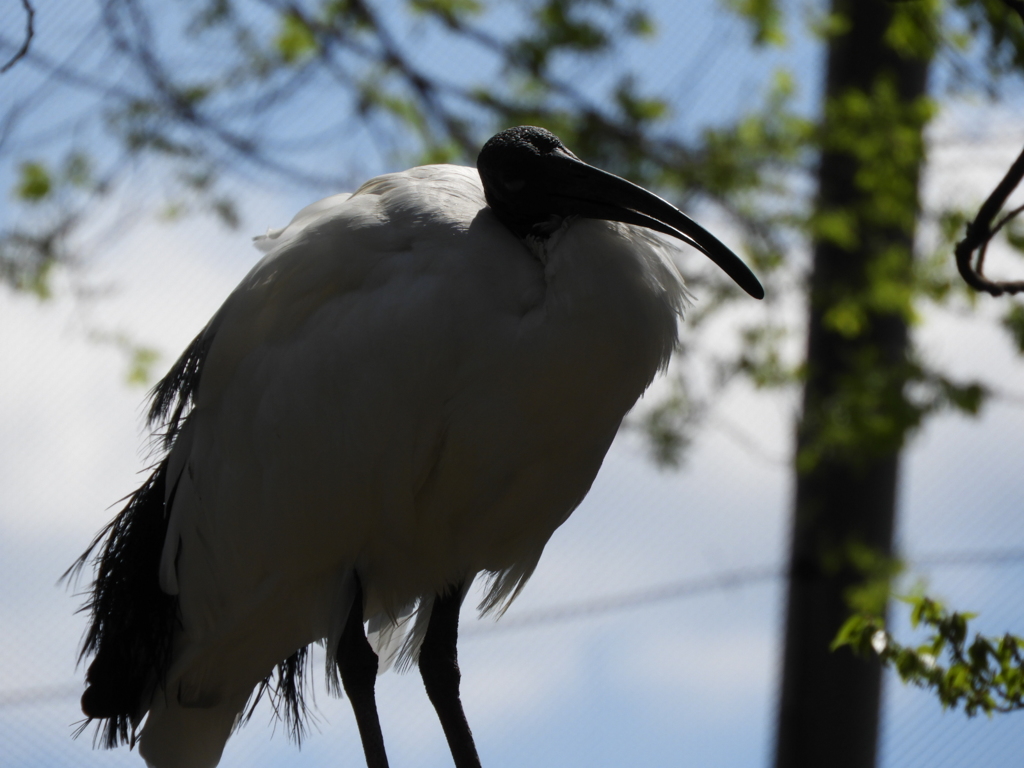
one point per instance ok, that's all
(358, 666)
(439, 666)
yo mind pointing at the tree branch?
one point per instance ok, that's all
(980, 232)
(30, 15)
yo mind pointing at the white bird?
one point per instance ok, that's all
(415, 386)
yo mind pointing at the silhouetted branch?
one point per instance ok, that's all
(981, 231)
(30, 15)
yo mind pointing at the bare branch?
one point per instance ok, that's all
(980, 232)
(30, 15)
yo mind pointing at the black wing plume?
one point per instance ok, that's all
(132, 620)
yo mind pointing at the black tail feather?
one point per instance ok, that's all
(287, 694)
(173, 397)
(132, 620)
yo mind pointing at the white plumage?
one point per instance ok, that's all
(402, 394)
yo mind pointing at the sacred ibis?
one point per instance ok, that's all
(415, 387)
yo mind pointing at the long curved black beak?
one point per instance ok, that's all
(584, 190)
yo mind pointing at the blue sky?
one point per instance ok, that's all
(689, 681)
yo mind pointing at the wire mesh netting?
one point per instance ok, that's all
(650, 632)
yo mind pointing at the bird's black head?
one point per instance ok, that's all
(516, 168)
(532, 182)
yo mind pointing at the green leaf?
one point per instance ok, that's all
(765, 17)
(668, 427)
(1014, 231)
(451, 11)
(1013, 322)
(78, 169)
(966, 398)
(140, 365)
(638, 109)
(226, 211)
(640, 24)
(853, 633)
(836, 226)
(35, 182)
(847, 318)
(913, 30)
(295, 40)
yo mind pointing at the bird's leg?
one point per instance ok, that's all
(439, 666)
(358, 666)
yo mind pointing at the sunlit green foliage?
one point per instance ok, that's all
(766, 19)
(915, 28)
(986, 675)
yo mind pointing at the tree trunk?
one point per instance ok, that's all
(848, 462)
